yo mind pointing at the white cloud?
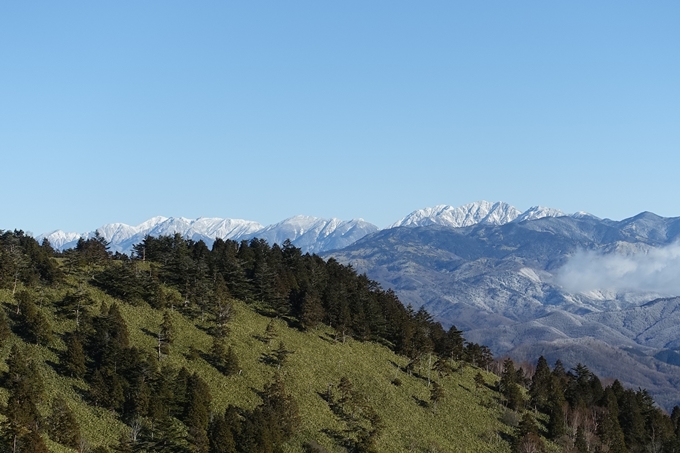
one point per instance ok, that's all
(652, 270)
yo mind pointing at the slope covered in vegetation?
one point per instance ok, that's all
(255, 348)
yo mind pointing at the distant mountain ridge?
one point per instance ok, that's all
(311, 234)
(496, 273)
(519, 287)
(480, 212)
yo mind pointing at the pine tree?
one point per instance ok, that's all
(281, 354)
(166, 335)
(556, 404)
(33, 323)
(5, 330)
(25, 392)
(540, 385)
(62, 425)
(526, 436)
(221, 436)
(509, 387)
(580, 444)
(197, 412)
(609, 430)
(436, 395)
(218, 354)
(231, 365)
(73, 359)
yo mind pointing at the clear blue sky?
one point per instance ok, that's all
(119, 111)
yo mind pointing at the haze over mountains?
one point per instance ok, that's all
(574, 287)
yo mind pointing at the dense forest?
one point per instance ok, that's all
(169, 394)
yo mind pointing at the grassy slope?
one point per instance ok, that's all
(460, 424)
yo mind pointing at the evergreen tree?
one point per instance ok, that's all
(33, 323)
(62, 425)
(540, 385)
(73, 359)
(436, 395)
(164, 435)
(509, 387)
(5, 330)
(221, 436)
(25, 392)
(166, 335)
(231, 365)
(223, 359)
(580, 443)
(609, 430)
(526, 436)
(280, 410)
(281, 354)
(197, 412)
(556, 404)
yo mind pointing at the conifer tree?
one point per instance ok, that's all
(221, 436)
(556, 404)
(218, 354)
(166, 335)
(280, 410)
(62, 425)
(22, 417)
(281, 354)
(509, 387)
(540, 385)
(73, 359)
(197, 412)
(526, 436)
(436, 395)
(5, 330)
(231, 365)
(580, 443)
(609, 429)
(33, 322)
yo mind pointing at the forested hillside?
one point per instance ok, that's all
(248, 347)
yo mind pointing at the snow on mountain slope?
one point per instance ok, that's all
(312, 234)
(470, 214)
(60, 239)
(539, 212)
(122, 237)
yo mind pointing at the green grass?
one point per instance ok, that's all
(461, 423)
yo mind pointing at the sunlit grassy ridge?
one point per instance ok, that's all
(461, 422)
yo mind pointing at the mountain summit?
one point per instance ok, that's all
(479, 212)
(311, 234)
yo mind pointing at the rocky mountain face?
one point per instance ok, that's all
(570, 287)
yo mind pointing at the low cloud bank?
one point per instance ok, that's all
(654, 270)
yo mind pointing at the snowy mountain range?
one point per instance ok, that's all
(311, 234)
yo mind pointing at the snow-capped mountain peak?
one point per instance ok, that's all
(539, 212)
(470, 214)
